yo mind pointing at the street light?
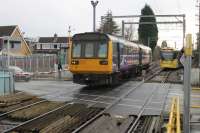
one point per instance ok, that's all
(94, 4)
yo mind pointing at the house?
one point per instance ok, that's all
(53, 45)
(31, 41)
(13, 42)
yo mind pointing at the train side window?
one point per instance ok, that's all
(125, 50)
(115, 49)
(121, 48)
(129, 50)
(116, 55)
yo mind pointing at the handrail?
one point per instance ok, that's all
(174, 124)
(178, 118)
(170, 125)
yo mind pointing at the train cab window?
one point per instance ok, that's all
(89, 50)
(102, 50)
(76, 50)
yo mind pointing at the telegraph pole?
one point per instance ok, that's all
(94, 4)
(69, 45)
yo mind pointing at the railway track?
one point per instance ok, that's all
(39, 115)
(142, 124)
(171, 76)
(17, 116)
(103, 112)
(62, 119)
(154, 70)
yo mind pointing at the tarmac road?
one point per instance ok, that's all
(67, 90)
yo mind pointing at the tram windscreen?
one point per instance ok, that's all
(168, 55)
(89, 50)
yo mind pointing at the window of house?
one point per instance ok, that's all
(55, 46)
(12, 45)
(15, 45)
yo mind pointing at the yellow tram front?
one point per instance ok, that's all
(169, 58)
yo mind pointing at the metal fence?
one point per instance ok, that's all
(33, 63)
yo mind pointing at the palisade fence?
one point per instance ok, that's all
(34, 63)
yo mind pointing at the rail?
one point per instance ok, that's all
(134, 125)
(38, 117)
(114, 103)
(174, 124)
(136, 122)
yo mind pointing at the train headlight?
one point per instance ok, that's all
(103, 62)
(75, 62)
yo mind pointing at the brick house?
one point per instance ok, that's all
(53, 45)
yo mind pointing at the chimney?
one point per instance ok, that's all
(55, 38)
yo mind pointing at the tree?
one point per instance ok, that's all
(108, 25)
(148, 33)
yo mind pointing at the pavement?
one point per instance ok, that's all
(65, 75)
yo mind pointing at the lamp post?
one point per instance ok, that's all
(69, 45)
(94, 4)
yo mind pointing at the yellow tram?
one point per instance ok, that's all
(169, 58)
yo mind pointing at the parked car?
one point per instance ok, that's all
(19, 74)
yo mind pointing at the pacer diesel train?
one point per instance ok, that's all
(98, 58)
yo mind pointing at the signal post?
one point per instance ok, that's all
(187, 83)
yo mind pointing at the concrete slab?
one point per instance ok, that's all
(135, 101)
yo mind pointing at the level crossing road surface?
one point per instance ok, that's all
(103, 96)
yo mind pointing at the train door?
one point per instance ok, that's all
(140, 66)
(140, 57)
(116, 57)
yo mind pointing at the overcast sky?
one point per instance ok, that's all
(46, 17)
